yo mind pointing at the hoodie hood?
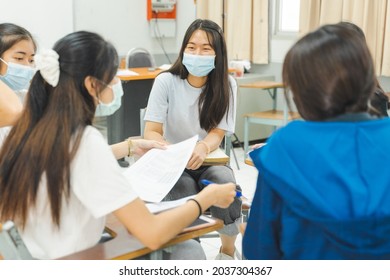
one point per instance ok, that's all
(335, 175)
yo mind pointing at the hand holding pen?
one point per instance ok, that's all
(219, 195)
(207, 182)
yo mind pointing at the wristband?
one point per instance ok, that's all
(206, 145)
(197, 203)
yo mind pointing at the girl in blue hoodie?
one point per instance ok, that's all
(323, 191)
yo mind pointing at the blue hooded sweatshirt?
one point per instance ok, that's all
(323, 192)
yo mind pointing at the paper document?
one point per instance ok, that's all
(157, 171)
(126, 72)
(165, 66)
(166, 205)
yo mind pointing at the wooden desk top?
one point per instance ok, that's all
(216, 157)
(249, 161)
(144, 74)
(124, 246)
(263, 85)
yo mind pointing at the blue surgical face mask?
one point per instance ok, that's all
(199, 65)
(18, 76)
(103, 109)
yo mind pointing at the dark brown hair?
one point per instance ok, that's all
(45, 140)
(216, 96)
(10, 34)
(330, 72)
(378, 104)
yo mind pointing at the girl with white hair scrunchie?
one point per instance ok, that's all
(59, 171)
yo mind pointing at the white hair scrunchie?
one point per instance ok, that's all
(47, 63)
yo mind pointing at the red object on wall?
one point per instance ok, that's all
(164, 15)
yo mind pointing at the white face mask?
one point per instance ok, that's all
(18, 76)
(199, 65)
(103, 109)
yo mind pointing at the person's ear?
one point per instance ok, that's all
(90, 85)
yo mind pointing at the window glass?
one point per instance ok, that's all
(288, 16)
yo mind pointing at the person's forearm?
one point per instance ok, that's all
(214, 138)
(168, 224)
(154, 131)
(155, 230)
(120, 149)
(10, 106)
(153, 135)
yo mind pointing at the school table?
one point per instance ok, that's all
(125, 122)
(249, 161)
(271, 117)
(124, 246)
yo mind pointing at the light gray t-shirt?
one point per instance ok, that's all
(174, 103)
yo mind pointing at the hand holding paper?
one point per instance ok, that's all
(155, 173)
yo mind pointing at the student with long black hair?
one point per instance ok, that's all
(196, 96)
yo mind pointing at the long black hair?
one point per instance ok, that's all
(379, 101)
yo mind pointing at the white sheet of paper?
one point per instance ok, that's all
(126, 72)
(165, 66)
(157, 171)
(166, 205)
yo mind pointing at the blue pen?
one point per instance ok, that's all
(207, 182)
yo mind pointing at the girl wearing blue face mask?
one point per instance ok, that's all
(196, 96)
(17, 50)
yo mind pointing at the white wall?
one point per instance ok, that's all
(124, 23)
(279, 48)
(47, 20)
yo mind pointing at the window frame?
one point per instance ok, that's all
(277, 33)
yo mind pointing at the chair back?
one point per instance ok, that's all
(139, 57)
(12, 246)
(142, 113)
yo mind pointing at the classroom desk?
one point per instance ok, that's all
(249, 161)
(216, 157)
(271, 117)
(126, 121)
(124, 246)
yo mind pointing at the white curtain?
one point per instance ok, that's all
(245, 26)
(369, 15)
(212, 10)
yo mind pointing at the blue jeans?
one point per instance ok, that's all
(189, 184)
(187, 250)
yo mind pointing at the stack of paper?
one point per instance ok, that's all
(156, 172)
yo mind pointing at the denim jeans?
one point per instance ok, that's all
(189, 184)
